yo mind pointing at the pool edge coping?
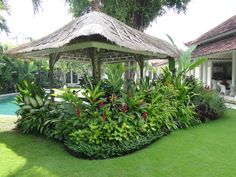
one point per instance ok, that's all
(7, 95)
(8, 116)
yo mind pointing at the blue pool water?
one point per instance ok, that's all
(8, 106)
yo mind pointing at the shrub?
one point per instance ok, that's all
(209, 105)
(150, 109)
(37, 115)
(185, 89)
(32, 101)
(109, 149)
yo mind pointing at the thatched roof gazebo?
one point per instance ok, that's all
(96, 38)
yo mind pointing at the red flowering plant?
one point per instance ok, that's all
(144, 115)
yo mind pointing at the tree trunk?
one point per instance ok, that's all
(53, 58)
(95, 5)
(137, 23)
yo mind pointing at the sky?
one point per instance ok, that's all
(200, 17)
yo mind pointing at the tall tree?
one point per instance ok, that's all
(136, 13)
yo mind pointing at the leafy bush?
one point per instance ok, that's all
(13, 71)
(108, 149)
(185, 88)
(33, 102)
(209, 105)
(150, 109)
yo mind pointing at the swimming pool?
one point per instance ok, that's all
(8, 106)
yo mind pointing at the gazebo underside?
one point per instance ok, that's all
(95, 52)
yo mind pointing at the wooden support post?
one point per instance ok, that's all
(53, 58)
(96, 64)
(172, 65)
(127, 71)
(99, 70)
(132, 70)
(141, 66)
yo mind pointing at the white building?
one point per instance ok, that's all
(219, 46)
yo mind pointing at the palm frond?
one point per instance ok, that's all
(36, 5)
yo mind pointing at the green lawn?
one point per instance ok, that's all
(207, 150)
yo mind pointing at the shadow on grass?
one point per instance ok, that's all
(41, 157)
(44, 158)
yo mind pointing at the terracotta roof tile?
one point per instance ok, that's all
(223, 45)
(224, 27)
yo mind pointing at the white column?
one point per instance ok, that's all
(64, 78)
(205, 73)
(71, 77)
(200, 72)
(209, 77)
(232, 89)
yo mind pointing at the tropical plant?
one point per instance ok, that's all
(32, 100)
(114, 74)
(209, 105)
(185, 63)
(104, 124)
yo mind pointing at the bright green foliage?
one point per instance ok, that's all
(37, 115)
(13, 71)
(68, 97)
(114, 73)
(209, 105)
(32, 101)
(122, 119)
(185, 64)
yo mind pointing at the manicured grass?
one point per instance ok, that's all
(207, 150)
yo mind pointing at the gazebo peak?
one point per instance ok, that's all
(97, 27)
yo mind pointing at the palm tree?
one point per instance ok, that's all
(4, 8)
(3, 24)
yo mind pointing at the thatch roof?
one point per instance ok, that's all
(158, 62)
(95, 27)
